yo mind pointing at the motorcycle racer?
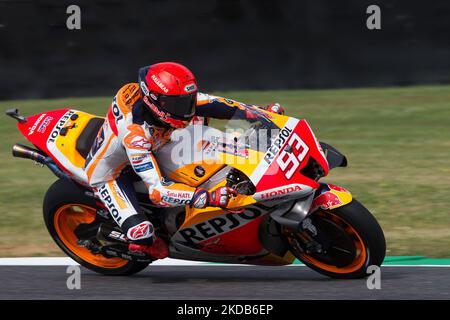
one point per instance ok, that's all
(139, 122)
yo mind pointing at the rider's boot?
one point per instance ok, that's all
(157, 250)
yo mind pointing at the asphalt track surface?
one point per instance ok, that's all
(222, 282)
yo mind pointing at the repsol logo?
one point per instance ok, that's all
(108, 200)
(218, 225)
(116, 111)
(61, 122)
(176, 200)
(277, 144)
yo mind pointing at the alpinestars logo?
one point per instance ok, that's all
(140, 143)
(141, 231)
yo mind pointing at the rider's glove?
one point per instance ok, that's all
(217, 198)
(275, 108)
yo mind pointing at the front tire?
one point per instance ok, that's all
(357, 242)
(65, 207)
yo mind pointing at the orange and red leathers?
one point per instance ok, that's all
(128, 138)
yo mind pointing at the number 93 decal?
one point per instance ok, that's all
(288, 157)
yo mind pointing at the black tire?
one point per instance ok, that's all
(63, 192)
(370, 232)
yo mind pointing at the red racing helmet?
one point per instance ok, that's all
(170, 92)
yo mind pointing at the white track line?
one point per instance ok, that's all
(417, 265)
(37, 261)
(66, 261)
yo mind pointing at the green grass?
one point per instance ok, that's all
(397, 141)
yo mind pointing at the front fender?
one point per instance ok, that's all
(329, 196)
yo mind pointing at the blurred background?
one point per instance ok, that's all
(231, 45)
(382, 97)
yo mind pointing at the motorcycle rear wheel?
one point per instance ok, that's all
(65, 207)
(357, 242)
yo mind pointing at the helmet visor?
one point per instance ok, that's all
(182, 106)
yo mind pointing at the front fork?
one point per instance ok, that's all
(294, 215)
(295, 220)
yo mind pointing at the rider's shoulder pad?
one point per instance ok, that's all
(127, 97)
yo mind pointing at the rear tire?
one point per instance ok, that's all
(64, 197)
(364, 230)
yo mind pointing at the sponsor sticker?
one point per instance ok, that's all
(276, 192)
(108, 201)
(277, 144)
(159, 84)
(140, 143)
(176, 200)
(144, 88)
(190, 88)
(199, 171)
(116, 110)
(44, 124)
(326, 200)
(143, 167)
(178, 194)
(137, 159)
(211, 228)
(36, 123)
(62, 121)
(141, 231)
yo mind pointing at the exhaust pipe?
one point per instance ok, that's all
(21, 151)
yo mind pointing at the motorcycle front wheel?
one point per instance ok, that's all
(349, 241)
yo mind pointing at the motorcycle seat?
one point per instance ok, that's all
(87, 137)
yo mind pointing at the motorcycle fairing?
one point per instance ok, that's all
(210, 232)
(272, 185)
(283, 162)
(227, 237)
(44, 131)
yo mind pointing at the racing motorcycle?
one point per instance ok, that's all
(282, 211)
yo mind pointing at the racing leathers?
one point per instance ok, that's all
(130, 137)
